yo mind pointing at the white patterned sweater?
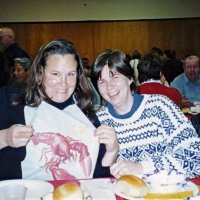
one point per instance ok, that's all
(156, 134)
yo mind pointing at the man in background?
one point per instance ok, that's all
(188, 83)
(9, 47)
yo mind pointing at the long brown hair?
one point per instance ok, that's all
(35, 91)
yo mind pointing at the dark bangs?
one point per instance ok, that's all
(116, 60)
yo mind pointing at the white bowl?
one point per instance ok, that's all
(195, 108)
(197, 103)
(165, 182)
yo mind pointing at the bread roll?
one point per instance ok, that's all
(68, 191)
(131, 186)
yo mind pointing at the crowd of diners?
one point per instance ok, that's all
(134, 102)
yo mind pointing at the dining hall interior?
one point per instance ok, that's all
(94, 26)
(58, 140)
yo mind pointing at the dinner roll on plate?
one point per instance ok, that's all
(68, 191)
(131, 186)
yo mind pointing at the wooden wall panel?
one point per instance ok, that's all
(31, 36)
(180, 35)
(124, 36)
(91, 38)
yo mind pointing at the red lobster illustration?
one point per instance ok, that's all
(63, 149)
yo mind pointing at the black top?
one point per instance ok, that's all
(10, 158)
(172, 69)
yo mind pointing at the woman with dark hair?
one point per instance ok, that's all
(153, 133)
(57, 79)
(173, 66)
(150, 76)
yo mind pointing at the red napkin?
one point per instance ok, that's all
(196, 180)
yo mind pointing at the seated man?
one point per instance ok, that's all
(150, 75)
(188, 83)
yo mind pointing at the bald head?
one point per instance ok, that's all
(7, 37)
(6, 31)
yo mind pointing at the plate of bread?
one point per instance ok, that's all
(161, 185)
(88, 189)
(130, 187)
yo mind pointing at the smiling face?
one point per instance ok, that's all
(115, 88)
(19, 73)
(60, 77)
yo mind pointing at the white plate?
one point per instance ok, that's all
(193, 113)
(197, 103)
(189, 186)
(35, 189)
(195, 109)
(98, 189)
(118, 193)
(95, 189)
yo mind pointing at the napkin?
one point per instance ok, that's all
(63, 145)
(98, 189)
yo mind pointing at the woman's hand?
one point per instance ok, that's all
(17, 135)
(124, 167)
(108, 136)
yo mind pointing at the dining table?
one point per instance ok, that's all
(189, 113)
(181, 196)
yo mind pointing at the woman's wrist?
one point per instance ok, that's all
(109, 158)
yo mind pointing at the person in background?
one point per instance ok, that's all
(173, 67)
(128, 57)
(21, 69)
(86, 66)
(188, 83)
(57, 78)
(135, 58)
(159, 53)
(150, 69)
(96, 99)
(10, 47)
(153, 133)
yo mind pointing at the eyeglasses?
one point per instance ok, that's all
(191, 66)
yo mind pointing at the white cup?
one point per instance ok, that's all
(13, 192)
